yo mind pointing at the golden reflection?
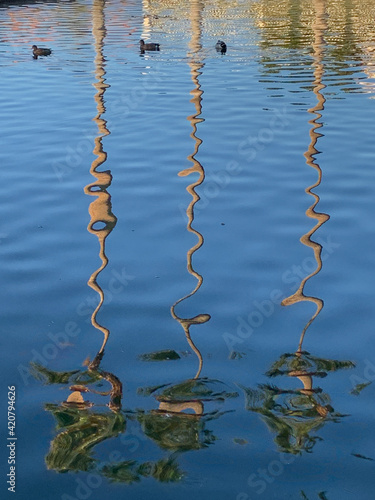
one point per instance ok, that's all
(196, 65)
(295, 415)
(179, 422)
(82, 426)
(102, 219)
(101, 223)
(319, 27)
(147, 21)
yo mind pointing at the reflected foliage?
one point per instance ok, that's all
(295, 415)
(176, 432)
(71, 450)
(292, 363)
(179, 423)
(81, 430)
(122, 472)
(164, 470)
(166, 355)
(291, 415)
(200, 389)
(50, 377)
(359, 388)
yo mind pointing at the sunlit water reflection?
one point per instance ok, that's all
(187, 248)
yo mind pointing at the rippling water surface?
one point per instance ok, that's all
(187, 249)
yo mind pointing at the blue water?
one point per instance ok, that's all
(173, 222)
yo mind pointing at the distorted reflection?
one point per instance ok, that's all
(348, 25)
(100, 208)
(102, 219)
(80, 420)
(296, 414)
(81, 423)
(196, 65)
(179, 422)
(358, 388)
(319, 27)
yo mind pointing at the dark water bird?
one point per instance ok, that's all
(221, 46)
(148, 46)
(39, 51)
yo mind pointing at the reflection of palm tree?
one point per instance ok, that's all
(292, 427)
(196, 66)
(179, 422)
(83, 426)
(82, 429)
(100, 209)
(294, 414)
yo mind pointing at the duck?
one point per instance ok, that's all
(148, 46)
(39, 51)
(221, 46)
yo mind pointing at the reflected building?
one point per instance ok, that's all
(285, 23)
(289, 25)
(34, 19)
(348, 22)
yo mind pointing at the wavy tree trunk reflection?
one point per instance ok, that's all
(319, 26)
(196, 66)
(102, 219)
